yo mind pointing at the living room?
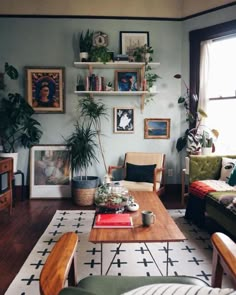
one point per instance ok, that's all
(40, 34)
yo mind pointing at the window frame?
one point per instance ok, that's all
(195, 39)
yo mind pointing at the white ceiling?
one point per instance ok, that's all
(132, 8)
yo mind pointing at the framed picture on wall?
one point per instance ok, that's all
(123, 120)
(50, 175)
(131, 40)
(127, 80)
(45, 89)
(157, 128)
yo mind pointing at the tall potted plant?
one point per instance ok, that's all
(82, 145)
(18, 128)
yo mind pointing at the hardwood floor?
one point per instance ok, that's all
(21, 231)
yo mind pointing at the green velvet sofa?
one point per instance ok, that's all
(203, 168)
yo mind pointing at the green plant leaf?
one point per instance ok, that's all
(11, 71)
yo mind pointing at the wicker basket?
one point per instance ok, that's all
(83, 190)
(84, 197)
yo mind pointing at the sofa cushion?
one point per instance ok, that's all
(228, 165)
(178, 289)
(140, 173)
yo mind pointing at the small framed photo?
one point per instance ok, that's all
(131, 40)
(50, 175)
(123, 120)
(45, 89)
(127, 80)
(157, 128)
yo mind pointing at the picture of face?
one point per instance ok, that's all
(127, 81)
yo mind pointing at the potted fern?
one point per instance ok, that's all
(18, 128)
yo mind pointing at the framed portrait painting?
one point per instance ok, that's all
(50, 175)
(131, 40)
(45, 89)
(127, 80)
(157, 128)
(123, 120)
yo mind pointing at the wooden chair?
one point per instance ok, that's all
(139, 159)
(61, 262)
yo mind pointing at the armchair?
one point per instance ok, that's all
(139, 173)
(62, 261)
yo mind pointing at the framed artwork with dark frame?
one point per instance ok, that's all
(157, 128)
(45, 89)
(123, 120)
(127, 80)
(129, 40)
(50, 175)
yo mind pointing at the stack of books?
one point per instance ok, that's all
(113, 221)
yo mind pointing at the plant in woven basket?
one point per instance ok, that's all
(84, 143)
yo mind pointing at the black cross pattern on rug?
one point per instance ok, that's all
(117, 250)
(79, 218)
(50, 242)
(93, 251)
(145, 262)
(170, 261)
(30, 280)
(80, 213)
(204, 275)
(196, 260)
(44, 252)
(141, 250)
(58, 225)
(62, 218)
(78, 232)
(38, 264)
(200, 238)
(54, 233)
(165, 249)
(64, 213)
(78, 225)
(118, 263)
(92, 263)
(187, 248)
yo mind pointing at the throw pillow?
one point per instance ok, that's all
(140, 173)
(226, 168)
(232, 178)
(179, 289)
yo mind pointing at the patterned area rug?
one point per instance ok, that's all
(190, 257)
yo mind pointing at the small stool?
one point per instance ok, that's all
(19, 172)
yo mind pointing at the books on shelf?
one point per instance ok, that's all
(111, 220)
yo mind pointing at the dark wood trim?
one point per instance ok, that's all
(121, 17)
(196, 37)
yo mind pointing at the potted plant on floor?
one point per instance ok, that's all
(82, 145)
(18, 128)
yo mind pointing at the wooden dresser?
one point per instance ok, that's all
(6, 177)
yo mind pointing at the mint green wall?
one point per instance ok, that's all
(49, 42)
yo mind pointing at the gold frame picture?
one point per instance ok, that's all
(156, 128)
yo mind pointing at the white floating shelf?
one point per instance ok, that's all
(114, 65)
(123, 93)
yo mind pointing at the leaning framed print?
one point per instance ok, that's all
(50, 175)
(157, 128)
(126, 80)
(45, 89)
(131, 40)
(123, 120)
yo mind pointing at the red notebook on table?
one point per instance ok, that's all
(113, 221)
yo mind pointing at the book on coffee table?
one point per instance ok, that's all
(113, 221)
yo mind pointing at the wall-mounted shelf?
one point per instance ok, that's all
(117, 65)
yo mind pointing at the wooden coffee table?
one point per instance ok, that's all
(163, 230)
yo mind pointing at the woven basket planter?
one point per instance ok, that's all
(83, 190)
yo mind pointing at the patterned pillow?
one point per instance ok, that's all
(226, 168)
(179, 289)
(232, 177)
